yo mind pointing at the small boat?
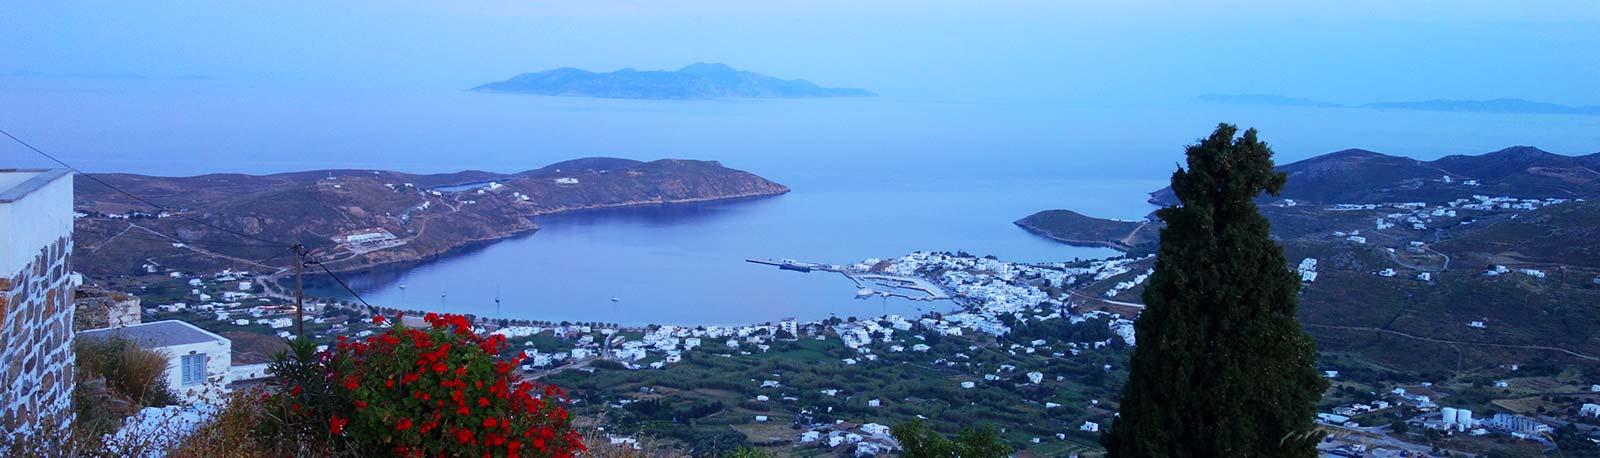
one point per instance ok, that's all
(614, 299)
(864, 292)
(443, 294)
(402, 286)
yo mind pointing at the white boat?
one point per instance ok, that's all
(864, 292)
(614, 299)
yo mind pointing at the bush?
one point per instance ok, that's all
(412, 392)
(130, 372)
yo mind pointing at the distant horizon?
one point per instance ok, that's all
(1008, 50)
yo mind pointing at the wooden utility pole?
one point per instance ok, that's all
(299, 292)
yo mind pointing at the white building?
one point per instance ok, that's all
(199, 363)
(36, 310)
(1589, 410)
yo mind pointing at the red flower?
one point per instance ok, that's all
(336, 425)
(377, 319)
(351, 383)
(361, 404)
(403, 424)
(440, 367)
(294, 391)
(488, 422)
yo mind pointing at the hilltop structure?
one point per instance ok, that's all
(36, 289)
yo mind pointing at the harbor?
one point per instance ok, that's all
(887, 285)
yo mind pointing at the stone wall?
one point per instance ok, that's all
(103, 308)
(36, 354)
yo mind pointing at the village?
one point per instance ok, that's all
(991, 340)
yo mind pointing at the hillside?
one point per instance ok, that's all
(1359, 176)
(1074, 228)
(695, 81)
(412, 217)
(1533, 210)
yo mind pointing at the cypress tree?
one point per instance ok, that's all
(1222, 367)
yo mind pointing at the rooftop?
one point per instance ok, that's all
(17, 183)
(156, 335)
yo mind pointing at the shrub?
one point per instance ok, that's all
(131, 372)
(414, 392)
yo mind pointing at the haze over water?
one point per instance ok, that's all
(871, 177)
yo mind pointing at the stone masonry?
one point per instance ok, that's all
(37, 337)
(36, 292)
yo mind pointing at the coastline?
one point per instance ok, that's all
(1125, 249)
(466, 245)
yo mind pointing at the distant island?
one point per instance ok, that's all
(695, 81)
(360, 219)
(1447, 105)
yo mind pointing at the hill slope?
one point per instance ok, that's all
(1359, 176)
(428, 215)
(1534, 210)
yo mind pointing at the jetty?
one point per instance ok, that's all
(890, 284)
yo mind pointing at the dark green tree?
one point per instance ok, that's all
(1222, 367)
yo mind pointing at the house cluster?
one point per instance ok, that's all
(870, 439)
(668, 343)
(1128, 284)
(229, 297)
(993, 288)
(1341, 415)
(1419, 216)
(1307, 270)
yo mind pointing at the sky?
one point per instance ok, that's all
(1098, 52)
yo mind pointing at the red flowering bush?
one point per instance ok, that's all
(418, 392)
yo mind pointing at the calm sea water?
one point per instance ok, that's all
(871, 178)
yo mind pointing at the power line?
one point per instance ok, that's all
(274, 244)
(370, 308)
(134, 196)
(151, 238)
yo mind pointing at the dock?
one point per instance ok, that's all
(930, 291)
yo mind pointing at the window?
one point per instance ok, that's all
(194, 369)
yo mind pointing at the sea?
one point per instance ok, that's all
(871, 178)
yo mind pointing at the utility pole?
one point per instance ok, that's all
(299, 291)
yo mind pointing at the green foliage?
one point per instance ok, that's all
(130, 372)
(1222, 366)
(919, 441)
(747, 452)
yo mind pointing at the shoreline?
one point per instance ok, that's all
(467, 245)
(1120, 247)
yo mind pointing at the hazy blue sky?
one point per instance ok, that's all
(1343, 51)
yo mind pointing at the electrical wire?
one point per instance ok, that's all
(134, 196)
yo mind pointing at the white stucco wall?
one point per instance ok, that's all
(36, 220)
(219, 358)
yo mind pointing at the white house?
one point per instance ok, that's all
(199, 363)
(1589, 410)
(1090, 427)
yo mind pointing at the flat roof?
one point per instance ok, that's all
(18, 183)
(156, 335)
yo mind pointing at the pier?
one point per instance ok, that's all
(862, 279)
